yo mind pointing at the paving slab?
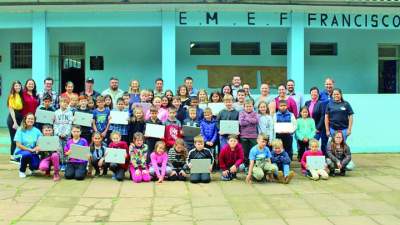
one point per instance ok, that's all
(352, 220)
(368, 195)
(308, 221)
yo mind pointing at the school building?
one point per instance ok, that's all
(357, 43)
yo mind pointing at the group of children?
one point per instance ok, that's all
(263, 153)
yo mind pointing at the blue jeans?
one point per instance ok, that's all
(324, 140)
(27, 157)
(344, 132)
(284, 167)
(223, 140)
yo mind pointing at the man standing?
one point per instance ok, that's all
(326, 95)
(48, 88)
(113, 91)
(297, 97)
(89, 89)
(236, 85)
(158, 91)
(189, 85)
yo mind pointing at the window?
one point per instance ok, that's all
(278, 48)
(21, 55)
(323, 48)
(245, 48)
(96, 63)
(204, 48)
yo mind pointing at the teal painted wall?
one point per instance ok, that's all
(355, 68)
(135, 53)
(129, 53)
(9, 75)
(186, 64)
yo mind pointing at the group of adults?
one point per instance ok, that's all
(327, 107)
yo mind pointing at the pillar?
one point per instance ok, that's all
(168, 49)
(40, 49)
(295, 58)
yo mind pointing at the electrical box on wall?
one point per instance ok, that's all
(96, 63)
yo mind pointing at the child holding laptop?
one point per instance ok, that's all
(76, 168)
(50, 158)
(199, 152)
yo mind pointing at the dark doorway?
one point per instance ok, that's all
(72, 65)
(387, 76)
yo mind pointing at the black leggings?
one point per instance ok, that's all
(11, 130)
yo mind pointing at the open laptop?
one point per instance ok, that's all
(200, 165)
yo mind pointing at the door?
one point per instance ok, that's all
(72, 65)
(387, 76)
(388, 68)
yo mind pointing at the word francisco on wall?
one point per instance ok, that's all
(284, 19)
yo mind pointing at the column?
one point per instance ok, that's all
(295, 47)
(40, 49)
(168, 49)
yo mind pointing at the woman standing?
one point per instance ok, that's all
(27, 150)
(266, 97)
(15, 105)
(69, 91)
(29, 98)
(183, 94)
(291, 103)
(134, 92)
(317, 112)
(338, 115)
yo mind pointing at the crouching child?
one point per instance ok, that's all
(281, 160)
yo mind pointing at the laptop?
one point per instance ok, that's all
(49, 143)
(190, 131)
(44, 116)
(200, 165)
(316, 162)
(80, 152)
(115, 155)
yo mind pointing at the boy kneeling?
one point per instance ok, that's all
(260, 161)
(199, 152)
(231, 158)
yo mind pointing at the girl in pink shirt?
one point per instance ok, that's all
(314, 174)
(162, 112)
(159, 159)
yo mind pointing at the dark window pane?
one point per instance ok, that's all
(245, 48)
(278, 48)
(323, 48)
(21, 55)
(204, 48)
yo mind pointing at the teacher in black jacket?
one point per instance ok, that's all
(317, 112)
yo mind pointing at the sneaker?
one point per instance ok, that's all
(289, 177)
(62, 168)
(14, 161)
(227, 178)
(280, 177)
(22, 175)
(56, 177)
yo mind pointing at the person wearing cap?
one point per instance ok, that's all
(113, 91)
(89, 89)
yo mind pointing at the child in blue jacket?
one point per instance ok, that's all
(209, 131)
(281, 159)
